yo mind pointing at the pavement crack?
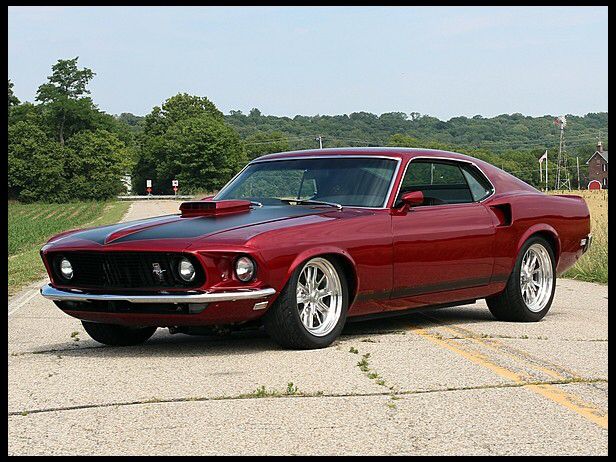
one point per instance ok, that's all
(303, 395)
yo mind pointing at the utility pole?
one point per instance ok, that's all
(320, 140)
(577, 163)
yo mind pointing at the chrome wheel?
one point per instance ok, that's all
(319, 297)
(536, 278)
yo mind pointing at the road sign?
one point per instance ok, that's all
(175, 188)
(148, 183)
(175, 183)
(149, 190)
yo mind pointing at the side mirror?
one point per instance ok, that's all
(413, 198)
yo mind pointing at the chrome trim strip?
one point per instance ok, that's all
(346, 156)
(586, 243)
(451, 160)
(52, 293)
(349, 156)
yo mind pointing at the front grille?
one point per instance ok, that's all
(124, 270)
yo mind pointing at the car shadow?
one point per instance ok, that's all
(255, 340)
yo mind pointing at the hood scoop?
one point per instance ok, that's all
(207, 208)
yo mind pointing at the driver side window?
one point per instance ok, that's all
(441, 182)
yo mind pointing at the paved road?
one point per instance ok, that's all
(451, 381)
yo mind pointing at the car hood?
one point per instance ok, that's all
(184, 230)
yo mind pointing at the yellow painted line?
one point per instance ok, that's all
(471, 355)
(554, 394)
(570, 401)
(494, 344)
(499, 349)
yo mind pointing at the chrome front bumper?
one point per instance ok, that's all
(52, 293)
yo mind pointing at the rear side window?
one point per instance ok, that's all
(480, 187)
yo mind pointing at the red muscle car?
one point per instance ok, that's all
(301, 241)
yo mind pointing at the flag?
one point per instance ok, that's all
(543, 157)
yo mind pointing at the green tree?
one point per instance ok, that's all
(179, 107)
(35, 165)
(13, 100)
(132, 122)
(66, 107)
(260, 144)
(203, 153)
(187, 139)
(403, 141)
(95, 164)
(26, 112)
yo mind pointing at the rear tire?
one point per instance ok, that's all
(117, 335)
(289, 319)
(517, 304)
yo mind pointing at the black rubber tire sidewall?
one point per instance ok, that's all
(282, 321)
(510, 305)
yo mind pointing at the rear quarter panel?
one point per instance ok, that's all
(564, 220)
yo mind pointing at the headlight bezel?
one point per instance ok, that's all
(252, 274)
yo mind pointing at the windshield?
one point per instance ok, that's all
(358, 182)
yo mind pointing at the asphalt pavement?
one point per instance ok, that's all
(452, 381)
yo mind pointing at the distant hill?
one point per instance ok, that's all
(506, 132)
(511, 141)
(501, 133)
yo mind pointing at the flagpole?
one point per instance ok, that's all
(546, 173)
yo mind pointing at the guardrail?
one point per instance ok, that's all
(153, 197)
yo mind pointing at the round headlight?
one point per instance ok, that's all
(244, 269)
(66, 269)
(186, 270)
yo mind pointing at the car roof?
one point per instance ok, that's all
(397, 152)
(502, 181)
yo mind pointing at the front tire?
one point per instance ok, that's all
(117, 335)
(530, 289)
(310, 312)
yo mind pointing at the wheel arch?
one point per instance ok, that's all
(545, 231)
(340, 256)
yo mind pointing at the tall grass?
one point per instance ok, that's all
(34, 223)
(31, 225)
(593, 266)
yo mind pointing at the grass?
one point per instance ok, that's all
(31, 225)
(364, 366)
(262, 392)
(592, 267)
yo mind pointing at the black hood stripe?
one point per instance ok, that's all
(194, 227)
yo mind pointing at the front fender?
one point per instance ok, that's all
(318, 251)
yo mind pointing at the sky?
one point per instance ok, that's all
(439, 61)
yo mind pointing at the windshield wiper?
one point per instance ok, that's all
(310, 201)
